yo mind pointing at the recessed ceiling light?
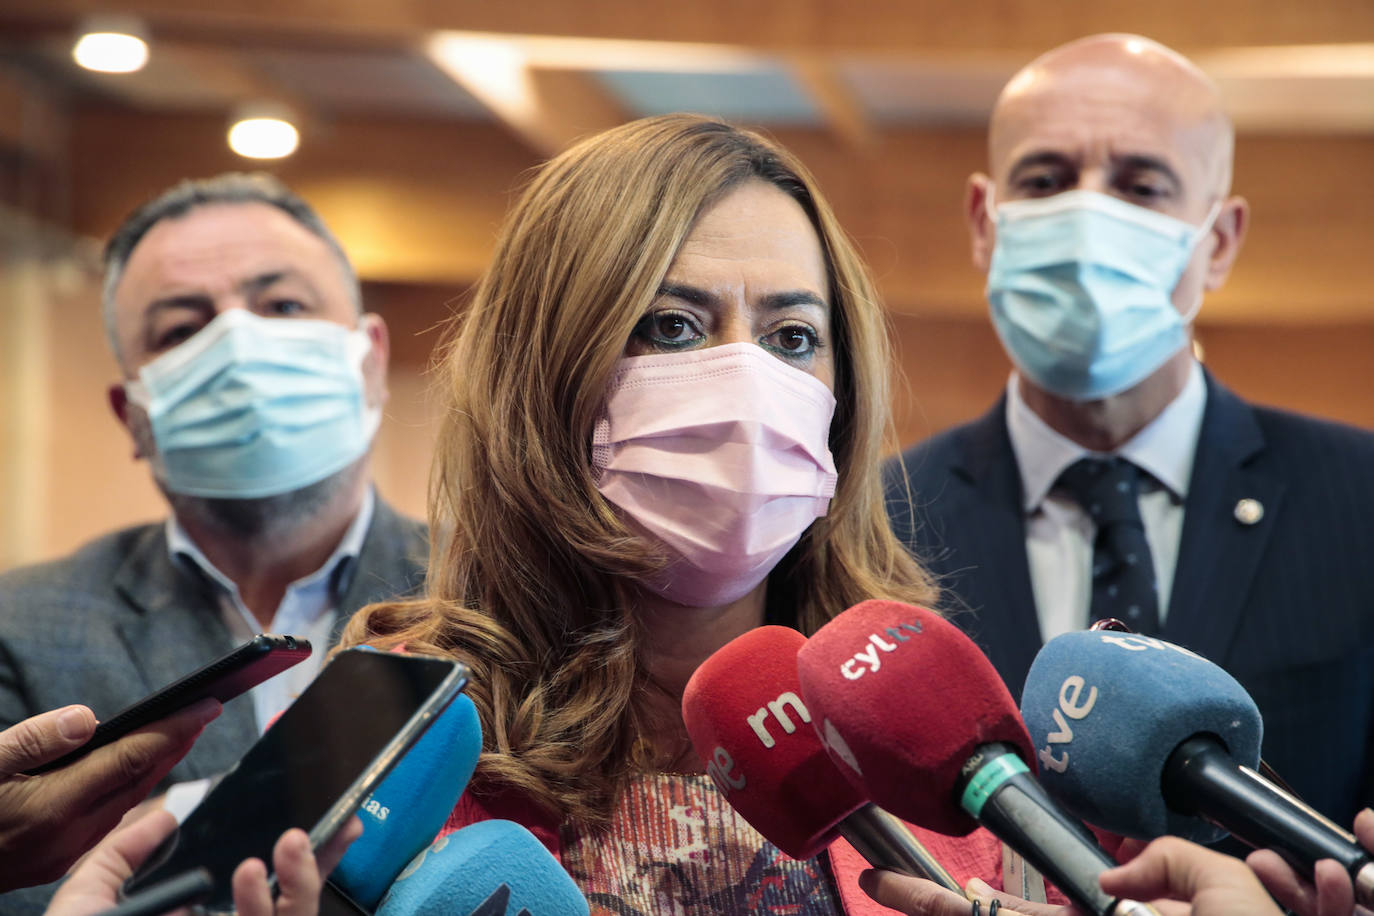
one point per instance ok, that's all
(263, 132)
(111, 44)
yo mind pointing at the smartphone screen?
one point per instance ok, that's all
(312, 768)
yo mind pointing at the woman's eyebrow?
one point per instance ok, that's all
(793, 298)
(692, 294)
(781, 300)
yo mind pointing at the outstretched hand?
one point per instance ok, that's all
(49, 820)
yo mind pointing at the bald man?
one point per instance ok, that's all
(1116, 477)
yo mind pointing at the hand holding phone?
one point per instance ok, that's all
(94, 886)
(312, 768)
(241, 669)
(50, 820)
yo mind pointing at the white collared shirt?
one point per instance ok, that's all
(1059, 534)
(308, 609)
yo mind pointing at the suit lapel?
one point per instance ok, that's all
(173, 626)
(1221, 545)
(989, 527)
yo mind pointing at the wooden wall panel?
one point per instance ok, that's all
(417, 201)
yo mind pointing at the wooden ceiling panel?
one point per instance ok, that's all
(782, 25)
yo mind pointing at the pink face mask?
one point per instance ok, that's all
(722, 455)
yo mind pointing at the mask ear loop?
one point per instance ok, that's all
(1198, 236)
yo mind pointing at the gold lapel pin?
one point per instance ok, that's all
(1249, 511)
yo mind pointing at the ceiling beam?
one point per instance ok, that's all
(546, 108)
(897, 26)
(837, 105)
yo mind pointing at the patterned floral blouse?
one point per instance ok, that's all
(675, 847)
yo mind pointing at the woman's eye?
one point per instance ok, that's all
(667, 329)
(793, 340)
(671, 327)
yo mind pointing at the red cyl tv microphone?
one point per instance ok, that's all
(917, 718)
(747, 721)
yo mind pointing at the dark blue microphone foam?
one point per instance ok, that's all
(1105, 710)
(490, 867)
(410, 806)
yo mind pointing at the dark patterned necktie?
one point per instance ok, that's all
(1123, 571)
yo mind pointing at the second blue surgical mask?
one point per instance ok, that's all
(251, 407)
(1080, 287)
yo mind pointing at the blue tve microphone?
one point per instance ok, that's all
(491, 868)
(1143, 738)
(410, 806)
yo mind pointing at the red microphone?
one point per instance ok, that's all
(917, 718)
(745, 715)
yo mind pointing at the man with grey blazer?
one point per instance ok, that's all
(252, 383)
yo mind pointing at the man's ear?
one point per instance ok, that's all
(378, 359)
(119, 406)
(981, 232)
(119, 403)
(1232, 222)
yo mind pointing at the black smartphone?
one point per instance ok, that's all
(311, 769)
(262, 657)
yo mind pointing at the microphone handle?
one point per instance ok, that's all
(1202, 779)
(998, 790)
(186, 888)
(885, 842)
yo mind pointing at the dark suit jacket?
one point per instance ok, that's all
(118, 619)
(1286, 604)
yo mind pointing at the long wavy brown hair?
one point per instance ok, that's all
(532, 572)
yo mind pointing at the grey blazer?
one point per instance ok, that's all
(118, 619)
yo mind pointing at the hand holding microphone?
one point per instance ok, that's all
(1330, 891)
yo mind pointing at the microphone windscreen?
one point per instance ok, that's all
(902, 699)
(489, 868)
(410, 806)
(747, 721)
(1106, 710)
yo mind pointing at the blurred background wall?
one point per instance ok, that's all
(417, 118)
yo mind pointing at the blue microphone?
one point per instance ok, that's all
(490, 868)
(1143, 738)
(410, 806)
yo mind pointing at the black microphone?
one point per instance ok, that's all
(186, 888)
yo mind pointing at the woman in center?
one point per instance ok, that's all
(664, 411)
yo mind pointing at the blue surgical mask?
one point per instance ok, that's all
(251, 407)
(1080, 287)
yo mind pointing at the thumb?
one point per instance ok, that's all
(43, 738)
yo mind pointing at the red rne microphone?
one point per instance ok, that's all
(745, 715)
(917, 718)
